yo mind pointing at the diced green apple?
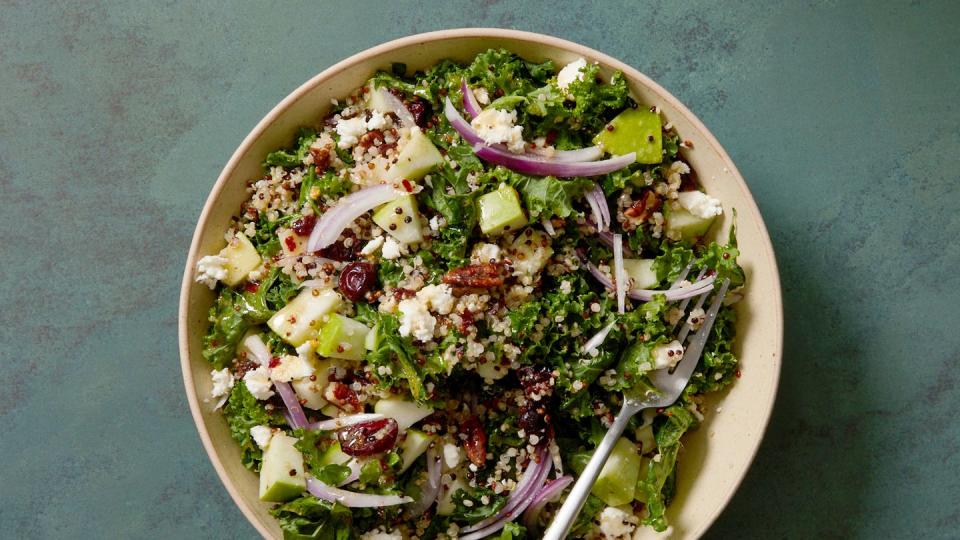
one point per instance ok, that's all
(641, 272)
(634, 130)
(618, 478)
(281, 476)
(416, 443)
(334, 456)
(342, 337)
(690, 227)
(241, 257)
(300, 319)
(500, 211)
(401, 219)
(417, 158)
(406, 413)
(445, 505)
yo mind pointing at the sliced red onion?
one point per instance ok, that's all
(347, 209)
(521, 497)
(598, 339)
(645, 295)
(352, 499)
(550, 493)
(604, 207)
(396, 104)
(606, 238)
(257, 349)
(541, 167)
(620, 274)
(431, 488)
(590, 153)
(548, 226)
(462, 126)
(298, 418)
(469, 100)
(341, 422)
(595, 210)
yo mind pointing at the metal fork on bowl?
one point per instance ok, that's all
(670, 384)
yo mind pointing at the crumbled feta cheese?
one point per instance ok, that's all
(485, 253)
(615, 523)
(376, 121)
(415, 320)
(668, 355)
(261, 435)
(570, 72)
(699, 204)
(497, 126)
(483, 97)
(350, 130)
(436, 222)
(222, 382)
(258, 383)
(696, 318)
(291, 367)
(566, 287)
(379, 535)
(391, 249)
(438, 298)
(372, 246)
(452, 456)
(211, 269)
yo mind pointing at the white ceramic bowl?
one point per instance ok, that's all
(714, 459)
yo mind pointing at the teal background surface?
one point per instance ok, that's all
(115, 119)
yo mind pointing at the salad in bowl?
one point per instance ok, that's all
(430, 304)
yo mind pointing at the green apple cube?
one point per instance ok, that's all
(299, 320)
(241, 257)
(406, 413)
(445, 504)
(417, 158)
(342, 337)
(618, 478)
(401, 219)
(690, 227)
(281, 476)
(634, 130)
(641, 272)
(416, 443)
(333, 455)
(500, 211)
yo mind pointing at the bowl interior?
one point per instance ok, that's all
(714, 458)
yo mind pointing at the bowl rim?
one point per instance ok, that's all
(423, 38)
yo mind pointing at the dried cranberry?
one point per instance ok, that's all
(344, 249)
(534, 420)
(356, 279)
(476, 441)
(420, 110)
(342, 396)
(304, 226)
(369, 438)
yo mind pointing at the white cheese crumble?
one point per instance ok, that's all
(377, 121)
(497, 126)
(483, 97)
(211, 269)
(261, 435)
(372, 246)
(258, 383)
(696, 318)
(485, 253)
(392, 249)
(222, 382)
(451, 455)
(438, 298)
(291, 367)
(415, 320)
(378, 535)
(350, 130)
(699, 204)
(570, 72)
(615, 523)
(668, 355)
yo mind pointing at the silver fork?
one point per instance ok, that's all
(670, 385)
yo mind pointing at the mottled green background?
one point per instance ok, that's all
(116, 118)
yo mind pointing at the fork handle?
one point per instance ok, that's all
(581, 489)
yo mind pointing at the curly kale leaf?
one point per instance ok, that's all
(243, 412)
(293, 157)
(227, 326)
(311, 518)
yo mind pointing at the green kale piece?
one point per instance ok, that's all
(243, 412)
(311, 518)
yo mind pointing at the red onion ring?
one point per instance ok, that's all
(598, 338)
(533, 477)
(352, 499)
(341, 422)
(540, 167)
(694, 289)
(550, 493)
(347, 209)
(298, 418)
(604, 207)
(470, 103)
(431, 488)
(621, 285)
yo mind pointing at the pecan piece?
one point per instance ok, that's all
(475, 442)
(481, 276)
(645, 207)
(321, 158)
